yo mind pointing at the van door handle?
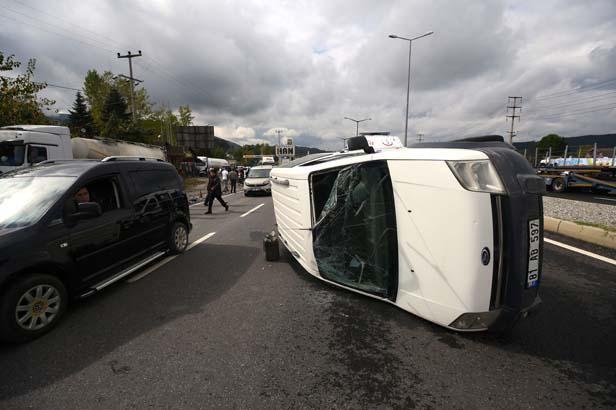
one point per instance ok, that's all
(281, 181)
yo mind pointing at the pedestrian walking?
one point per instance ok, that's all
(225, 179)
(214, 191)
(233, 180)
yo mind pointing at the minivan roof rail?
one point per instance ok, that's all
(129, 158)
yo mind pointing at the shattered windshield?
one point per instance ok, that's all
(355, 239)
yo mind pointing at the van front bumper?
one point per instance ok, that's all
(497, 320)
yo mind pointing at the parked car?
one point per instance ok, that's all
(450, 232)
(71, 228)
(258, 180)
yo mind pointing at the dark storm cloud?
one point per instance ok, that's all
(249, 67)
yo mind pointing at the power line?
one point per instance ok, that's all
(584, 100)
(56, 27)
(45, 83)
(595, 109)
(575, 90)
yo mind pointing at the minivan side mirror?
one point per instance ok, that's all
(73, 212)
(88, 210)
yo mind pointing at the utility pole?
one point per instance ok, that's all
(130, 57)
(513, 105)
(278, 131)
(420, 136)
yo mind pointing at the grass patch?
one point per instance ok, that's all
(190, 183)
(594, 225)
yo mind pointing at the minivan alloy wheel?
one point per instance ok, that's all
(38, 307)
(180, 236)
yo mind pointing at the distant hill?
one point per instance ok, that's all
(228, 146)
(303, 151)
(603, 140)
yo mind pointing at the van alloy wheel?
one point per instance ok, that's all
(38, 307)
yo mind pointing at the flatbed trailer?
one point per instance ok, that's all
(597, 179)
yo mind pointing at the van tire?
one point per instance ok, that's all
(178, 238)
(53, 298)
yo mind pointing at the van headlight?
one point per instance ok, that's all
(479, 176)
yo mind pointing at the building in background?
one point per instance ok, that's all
(195, 137)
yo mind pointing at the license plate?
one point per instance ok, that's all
(534, 238)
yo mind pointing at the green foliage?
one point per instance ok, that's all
(114, 115)
(186, 116)
(552, 140)
(218, 152)
(96, 87)
(80, 119)
(18, 94)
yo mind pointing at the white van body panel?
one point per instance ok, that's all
(439, 276)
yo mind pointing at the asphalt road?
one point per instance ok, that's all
(221, 327)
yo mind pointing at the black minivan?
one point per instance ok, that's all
(71, 228)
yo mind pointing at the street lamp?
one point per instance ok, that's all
(408, 87)
(357, 123)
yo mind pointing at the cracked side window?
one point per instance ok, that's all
(355, 242)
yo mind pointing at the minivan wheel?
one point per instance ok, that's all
(178, 240)
(31, 307)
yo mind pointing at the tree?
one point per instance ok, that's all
(80, 119)
(555, 141)
(96, 88)
(114, 115)
(18, 94)
(218, 152)
(186, 116)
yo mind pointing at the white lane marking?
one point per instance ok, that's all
(580, 251)
(168, 259)
(201, 203)
(604, 199)
(252, 210)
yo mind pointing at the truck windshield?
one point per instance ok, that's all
(11, 155)
(259, 173)
(24, 200)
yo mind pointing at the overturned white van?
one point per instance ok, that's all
(451, 232)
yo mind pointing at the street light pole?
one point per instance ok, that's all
(408, 84)
(357, 124)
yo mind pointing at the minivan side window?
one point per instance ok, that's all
(149, 181)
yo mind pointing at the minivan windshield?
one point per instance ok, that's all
(259, 173)
(24, 200)
(11, 154)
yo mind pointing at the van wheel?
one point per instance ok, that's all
(178, 239)
(558, 185)
(31, 307)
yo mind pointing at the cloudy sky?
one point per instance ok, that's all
(250, 67)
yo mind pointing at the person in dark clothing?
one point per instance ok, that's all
(214, 191)
(233, 180)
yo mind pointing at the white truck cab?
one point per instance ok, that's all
(26, 145)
